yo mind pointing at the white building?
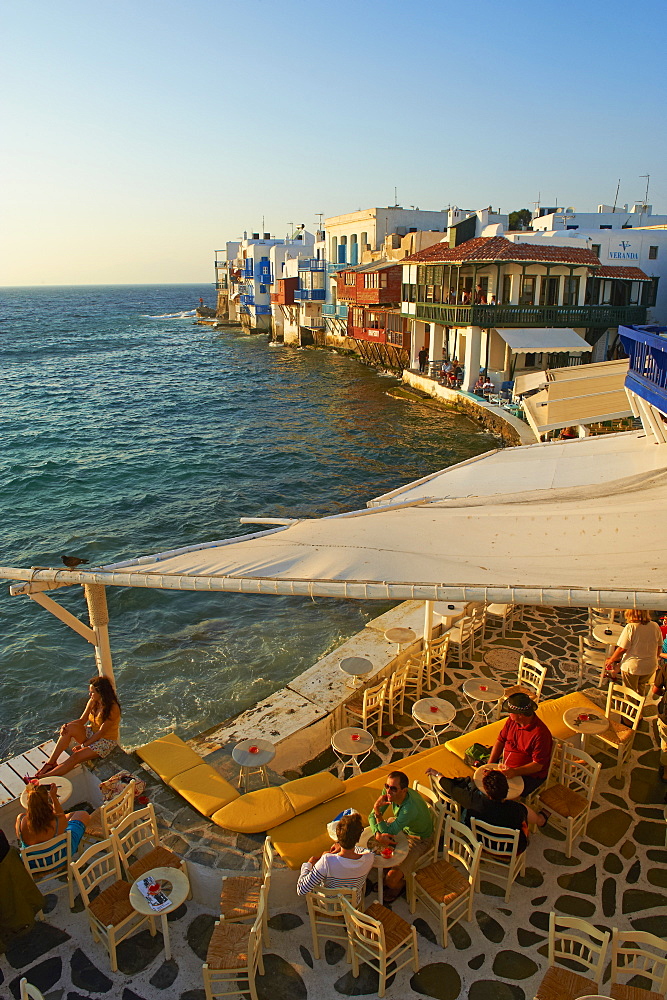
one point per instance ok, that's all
(606, 217)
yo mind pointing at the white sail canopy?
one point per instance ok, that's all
(576, 523)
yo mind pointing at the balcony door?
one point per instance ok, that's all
(549, 288)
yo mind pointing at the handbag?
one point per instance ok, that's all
(476, 755)
(117, 783)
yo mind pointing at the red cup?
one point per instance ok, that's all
(154, 889)
(583, 717)
(387, 852)
(355, 736)
(434, 708)
(253, 749)
(483, 687)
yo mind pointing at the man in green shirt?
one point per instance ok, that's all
(411, 815)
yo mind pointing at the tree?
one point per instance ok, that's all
(521, 219)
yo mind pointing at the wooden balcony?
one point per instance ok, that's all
(538, 316)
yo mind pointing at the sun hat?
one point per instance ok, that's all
(521, 704)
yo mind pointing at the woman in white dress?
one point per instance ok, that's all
(637, 650)
(343, 866)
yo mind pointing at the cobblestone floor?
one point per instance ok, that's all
(617, 877)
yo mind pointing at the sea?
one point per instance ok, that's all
(127, 429)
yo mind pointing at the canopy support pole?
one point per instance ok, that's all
(428, 621)
(96, 598)
(64, 616)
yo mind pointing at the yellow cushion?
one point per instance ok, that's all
(303, 836)
(169, 756)
(205, 789)
(303, 793)
(255, 812)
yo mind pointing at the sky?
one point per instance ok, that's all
(137, 137)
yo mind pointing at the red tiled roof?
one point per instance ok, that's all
(630, 273)
(497, 248)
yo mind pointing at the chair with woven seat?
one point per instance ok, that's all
(451, 807)
(446, 887)
(506, 614)
(111, 916)
(529, 680)
(327, 920)
(50, 861)
(462, 635)
(234, 956)
(414, 679)
(437, 651)
(105, 818)
(137, 837)
(568, 790)
(624, 710)
(380, 938)
(642, 954)
(500, 861)
(396, 690)
(369, 709)
(239, 897)
(575, 942)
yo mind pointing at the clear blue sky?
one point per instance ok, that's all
(139, 136)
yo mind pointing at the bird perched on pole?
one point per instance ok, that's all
(72, 561)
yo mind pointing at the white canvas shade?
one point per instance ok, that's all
(540, 339)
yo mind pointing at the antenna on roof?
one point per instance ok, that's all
(648, 178)
(616, 196)
(395, 198)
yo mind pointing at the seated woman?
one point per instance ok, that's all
(343, 866)
(479, 385)
(96, 732)
(46, 819)
(491, 805)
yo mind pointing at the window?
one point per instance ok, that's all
(650, 292)
(262, 289)
(527, 297)
(357, 317)
(595, 247)
(652, 253)
(571, 292)
(507, 289)
(395, 337)
(605, 227)
(549, 288)
(371, 279)
(349, 277)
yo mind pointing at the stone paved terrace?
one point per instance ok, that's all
(617, 877)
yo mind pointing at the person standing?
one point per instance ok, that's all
(524, 743)
(637, 650)
(423, 358)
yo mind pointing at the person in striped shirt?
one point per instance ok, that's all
(343, 866)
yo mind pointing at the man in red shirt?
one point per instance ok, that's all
(524, 743)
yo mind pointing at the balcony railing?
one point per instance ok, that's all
(315, 322)
(514, 315)
(647, 371)
(332, 268)
(312, 264)
(262, 310)
(247, 300)
(310, 294)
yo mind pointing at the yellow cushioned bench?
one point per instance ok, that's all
(265, 808)
(184, 770)
(303, 836)
(550, 712)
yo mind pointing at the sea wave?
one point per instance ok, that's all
(179, 315)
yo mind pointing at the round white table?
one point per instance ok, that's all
(585, 722)
(431, 715)
(515, 784)
(401, 636)
(63, 786)
(174, 884)
(352, 746)
(355, 666)
(607, 633)
(481, 692)
(399, 853)
(448, 613)
(252, 756)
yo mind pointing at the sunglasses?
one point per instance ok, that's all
(391, 788)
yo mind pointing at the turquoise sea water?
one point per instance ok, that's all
(127, 430)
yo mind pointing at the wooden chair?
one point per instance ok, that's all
(575, 942)
(414, 680)
(589, 657)
(103, 820)
(327, 921)
(111, 916)
(452, 808)
(381, 939)
(462, 634)
(529, 680)
(568, 790)
(239, 898)
(396, 690)
(505, 614)
(234, 957)
(28, 992)
(642, 954)
(369, 709)
(137, 836)
(437, 652)
(447, 889)
(500, 861)
(624, 710)
(50, 861)
(439, 814)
